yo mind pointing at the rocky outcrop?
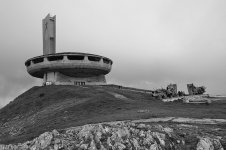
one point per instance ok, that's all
(207, 143)
(126, 135)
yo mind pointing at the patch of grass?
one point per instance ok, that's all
(43, 109)
(41, 95)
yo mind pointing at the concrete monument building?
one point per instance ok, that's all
(68, 68)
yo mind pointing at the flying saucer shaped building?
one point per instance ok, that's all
(67, 68)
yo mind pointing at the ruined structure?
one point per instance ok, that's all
(67, 68)
(193, 90)
(169, 92)
(172, 88)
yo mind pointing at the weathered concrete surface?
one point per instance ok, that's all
(49, 34)
(60, 79)
(73, 68)
(68, 72)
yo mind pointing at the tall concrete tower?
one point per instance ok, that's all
(49, 34)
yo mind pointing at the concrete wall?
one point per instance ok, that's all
(60, 79)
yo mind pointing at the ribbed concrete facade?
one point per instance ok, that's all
(70, 68)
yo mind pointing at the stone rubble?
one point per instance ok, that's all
(190, 99)
(125, 135)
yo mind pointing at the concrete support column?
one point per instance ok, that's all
(86, 59)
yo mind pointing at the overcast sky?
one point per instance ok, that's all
(151, 42)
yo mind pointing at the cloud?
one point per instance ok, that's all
(13, 86)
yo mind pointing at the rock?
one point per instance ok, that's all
(92, 145)
(140, 126)
(118, 136)
(168, 130)
(119, 146)
(160, 137)
(206, 143)
(55, 132)
(84, 146)
(155, 147)
(135, 143)
(43, 141)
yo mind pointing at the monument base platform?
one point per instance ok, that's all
(58, 78)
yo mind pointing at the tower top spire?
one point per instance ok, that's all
(49, 34)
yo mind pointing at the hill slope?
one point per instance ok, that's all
(42, 109)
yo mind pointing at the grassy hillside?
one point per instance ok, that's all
(43, 109)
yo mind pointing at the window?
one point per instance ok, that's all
(48, 83)
(54, 58)
(28, 63)
(79, 83)
(92, 58)
(106, 61)
(37, 60)
(75, 57)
